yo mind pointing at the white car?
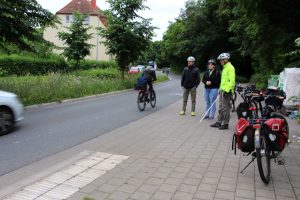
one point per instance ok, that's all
(11, 111)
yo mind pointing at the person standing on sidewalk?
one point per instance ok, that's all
(226, 90)
(190, 80)
(211, 80)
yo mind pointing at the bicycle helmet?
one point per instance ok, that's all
(223, 56)
(191, 59)
(212, 61)
(151, 63)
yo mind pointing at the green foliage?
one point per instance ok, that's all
(108, 73)
(88, 64)
(258, 34)
(241, 79)
(19, 65)
(19, 20)
(127, 34)
(76, 39)
(260, 80)
(57, 87)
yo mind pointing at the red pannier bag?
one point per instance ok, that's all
(243, 136)
(276, 130)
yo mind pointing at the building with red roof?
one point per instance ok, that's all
(95, 19)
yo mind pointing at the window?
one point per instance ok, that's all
(67, 19)
(87, 20)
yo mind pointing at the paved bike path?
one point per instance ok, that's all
(167, 156)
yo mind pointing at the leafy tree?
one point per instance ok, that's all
(127, 34)
(76, 39)
(19, 22)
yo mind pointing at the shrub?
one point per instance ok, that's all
(260, 79)
(107, 73)
(18, 65)
(90, 64)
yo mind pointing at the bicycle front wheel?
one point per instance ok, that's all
(263, 160)
(141, 101)
(152, 98)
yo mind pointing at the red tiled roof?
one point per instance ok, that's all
(84, 7)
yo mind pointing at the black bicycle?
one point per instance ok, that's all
(270, 131)
(146, 96)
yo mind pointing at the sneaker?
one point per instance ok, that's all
(223, 127)
(206, 117)
(182, 113)
(193, 113)
(216, 125)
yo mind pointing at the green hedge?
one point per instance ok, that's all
(21, 65)
(17, 65)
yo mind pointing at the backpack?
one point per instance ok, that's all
(243, 136)
(141, 83)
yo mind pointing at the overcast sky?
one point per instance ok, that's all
(161, 11)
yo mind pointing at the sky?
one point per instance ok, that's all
(161, 11)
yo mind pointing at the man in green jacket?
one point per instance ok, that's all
(226, 90)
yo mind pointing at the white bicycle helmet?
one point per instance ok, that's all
(223, 56)
(191, 59)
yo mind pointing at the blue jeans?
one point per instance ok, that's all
(210, 96)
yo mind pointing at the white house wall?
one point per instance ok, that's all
(51, 34)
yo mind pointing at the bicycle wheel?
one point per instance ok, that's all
(263, 160)
(152, 98)
(141, 102)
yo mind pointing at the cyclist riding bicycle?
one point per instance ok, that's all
(150, 74)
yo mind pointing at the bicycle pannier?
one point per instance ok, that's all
(243, 136)
(276, 130)
(243, 110)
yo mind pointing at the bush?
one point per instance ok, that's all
(90, 64)
(107, 73)
(241, 79)
(19, 65)
(260, 79)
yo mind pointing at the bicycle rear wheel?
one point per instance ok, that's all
(141, 101)
(263, 160)
(152, 98)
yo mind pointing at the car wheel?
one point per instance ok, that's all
(6, 121)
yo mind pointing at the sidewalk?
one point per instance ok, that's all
(167, 156)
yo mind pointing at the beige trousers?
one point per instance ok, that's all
(186, 93)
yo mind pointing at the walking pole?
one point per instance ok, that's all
(209, 108)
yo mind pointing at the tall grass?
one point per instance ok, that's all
(56, 87)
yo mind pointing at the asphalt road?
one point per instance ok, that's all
(51, 129)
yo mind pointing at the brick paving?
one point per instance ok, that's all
(177, 157)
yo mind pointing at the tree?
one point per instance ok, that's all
(19, 22)
(127, 34)
(76, 39)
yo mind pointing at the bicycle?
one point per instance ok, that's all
(146, 96)
(265, 136)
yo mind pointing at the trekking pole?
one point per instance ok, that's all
(209, 108)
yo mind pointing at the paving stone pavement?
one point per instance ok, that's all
(176, 157)
(169, 156)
